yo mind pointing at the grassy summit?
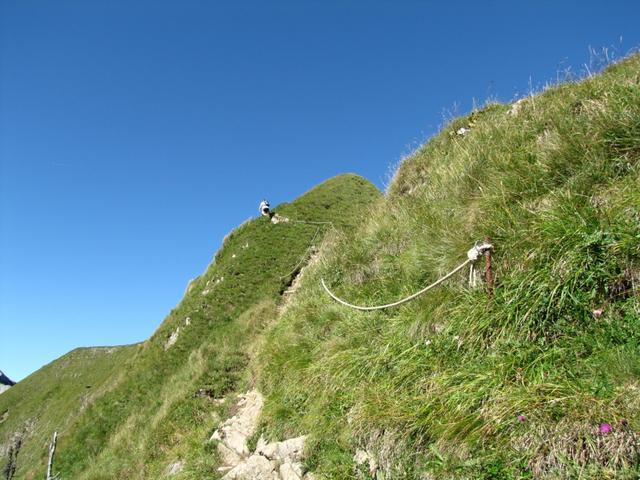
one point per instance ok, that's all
(541, 381)
(157, 405)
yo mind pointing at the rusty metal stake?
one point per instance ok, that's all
(488, 274)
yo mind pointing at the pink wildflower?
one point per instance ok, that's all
(521, 418)
(597, 313)
(605, 428)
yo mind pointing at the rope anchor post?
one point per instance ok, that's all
(488, 274)
(479, 249)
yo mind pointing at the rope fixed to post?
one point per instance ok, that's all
(275, 218)
(308, 222)
(472, 256)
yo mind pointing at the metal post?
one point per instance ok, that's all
(488, 274)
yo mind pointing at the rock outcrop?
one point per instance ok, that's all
(269, 461)
(174, 468)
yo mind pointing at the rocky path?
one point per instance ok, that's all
(269, 461)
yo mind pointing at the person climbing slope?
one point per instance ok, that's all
(265, 209)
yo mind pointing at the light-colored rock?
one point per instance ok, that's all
(361, 457)
(236, 441)
(287, 472)
(515, 107)
(277, 219)
(174, 468)
(286, 451)
(262, 443)
(270, 461)
(235, 432)
(173, 338)
(256, 467)
(228, 456)
(246, 419)
(364, 457)
(298, 468)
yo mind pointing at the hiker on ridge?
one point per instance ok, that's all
(265, 209)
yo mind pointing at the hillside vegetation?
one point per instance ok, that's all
(543, 379)
(49, 400)
(160, 404)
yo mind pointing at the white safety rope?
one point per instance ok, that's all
(311, 244)
(311, 223)
(304, 255)
(279, 219)
(472, 256)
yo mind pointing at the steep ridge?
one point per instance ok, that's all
(541, 379)
(174, 389)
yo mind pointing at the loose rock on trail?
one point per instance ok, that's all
(269, 461)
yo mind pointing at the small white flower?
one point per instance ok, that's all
(427, 343)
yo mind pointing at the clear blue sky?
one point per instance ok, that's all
(135, 134)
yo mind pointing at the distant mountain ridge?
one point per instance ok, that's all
(5, 382)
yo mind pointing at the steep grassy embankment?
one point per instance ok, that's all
(52, 397)
(455, 384)
(163, 408)
(542, 380)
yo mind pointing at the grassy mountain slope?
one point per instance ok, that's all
(541, 380)
(51, 398)
(163, 409)
(456, 384)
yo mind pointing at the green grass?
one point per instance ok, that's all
(51, 399)
(152, 416)
(434, 388)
